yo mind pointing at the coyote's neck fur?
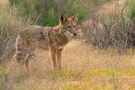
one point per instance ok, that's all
(61, 37)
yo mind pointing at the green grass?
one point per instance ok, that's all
(131, 9)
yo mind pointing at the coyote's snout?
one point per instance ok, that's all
(52, 38)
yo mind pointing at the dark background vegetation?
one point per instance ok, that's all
(43, 12)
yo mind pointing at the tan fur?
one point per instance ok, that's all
(52, 38)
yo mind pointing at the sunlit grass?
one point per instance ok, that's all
(83, 68)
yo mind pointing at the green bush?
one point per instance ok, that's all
(131, 9)
(46, 12)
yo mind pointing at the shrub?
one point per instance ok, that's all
(46, 12)
(114, 31)
(131, 9)
(10, 26)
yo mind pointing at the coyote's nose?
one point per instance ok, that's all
(74, 34)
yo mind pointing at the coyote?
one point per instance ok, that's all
(52, 38)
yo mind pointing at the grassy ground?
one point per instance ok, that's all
(83, 68)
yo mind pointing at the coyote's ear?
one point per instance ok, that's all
(75, 17)
(63, 18)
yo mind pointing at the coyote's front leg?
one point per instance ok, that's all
(27, 65)
(53, 54)
(59, 54)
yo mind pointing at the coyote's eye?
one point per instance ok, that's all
(69, 27)
(41, 33)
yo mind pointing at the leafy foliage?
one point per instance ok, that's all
(131, 9)
(46, 12)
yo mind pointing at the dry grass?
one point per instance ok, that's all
(83, 68)
(108, 8)
(3, 2)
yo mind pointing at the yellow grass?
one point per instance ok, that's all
(3, 2)
(83, 68)
(109, 8)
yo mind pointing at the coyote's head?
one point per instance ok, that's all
(69, 25)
